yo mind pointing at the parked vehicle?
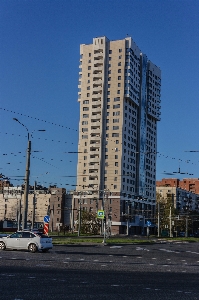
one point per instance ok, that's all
(26, 240)
(182, 234)
(3, 235)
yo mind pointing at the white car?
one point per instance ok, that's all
(26, 240)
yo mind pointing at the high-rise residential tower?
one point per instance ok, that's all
(119, 96)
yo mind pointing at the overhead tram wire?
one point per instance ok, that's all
(48, 140)
(152, 152)
(55, 124)
(4, 109)
(76, 152)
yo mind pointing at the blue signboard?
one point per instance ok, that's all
(46, 219)
(148, 223)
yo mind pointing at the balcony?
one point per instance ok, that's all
(94, 176)
(98, 68)
(96, 84)
(98, 56)
(97, 89)
(94, 142)
(96, 131)
(95, 137)
(97, 51)
(93, 170)
(94, 160)
(97, 92)
(94, 149)
(97, 109)
(97, 73)
(97, 77)
(95, 123)
(94, 166)
(96, 116)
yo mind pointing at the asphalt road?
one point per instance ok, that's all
(158, 271)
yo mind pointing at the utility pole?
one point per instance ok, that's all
(170, 222)
(127, 224)
(26, 190)
(79, 220)
(52, 218)
(72, 215)
(186, 231)
(19, 212)
(33, 205)
(103, 206)
(27, 175)
(143, 224)
(158, 219)
(104, 222)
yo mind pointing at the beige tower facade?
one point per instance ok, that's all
(119, 96)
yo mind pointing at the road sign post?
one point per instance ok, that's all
(46, 219)
(100, 214)
(148, 223)
(46, 224)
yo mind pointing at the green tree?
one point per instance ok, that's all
(166, 206)
(89, 223)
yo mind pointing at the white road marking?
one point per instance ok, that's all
(42, 265)
(115, 285)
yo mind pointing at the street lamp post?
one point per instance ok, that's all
(79, 219)
(27, 176)
(33, 205)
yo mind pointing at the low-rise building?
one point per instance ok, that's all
(188, 184)
(41, 202)
(182, 199)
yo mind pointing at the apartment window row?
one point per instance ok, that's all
(119, 50)
(129, 50)
(108, 92)
(116, 113)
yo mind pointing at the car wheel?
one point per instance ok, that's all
(32, 248)
(45, 250)
(2, 246)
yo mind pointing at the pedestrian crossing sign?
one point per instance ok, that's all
(100, 214)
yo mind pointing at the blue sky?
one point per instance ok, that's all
(39, 59)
